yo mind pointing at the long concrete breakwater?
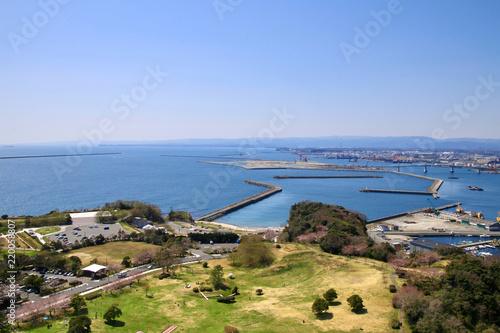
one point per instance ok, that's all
(412, 212)
(271, 189)
(431, 190)
(328, 176)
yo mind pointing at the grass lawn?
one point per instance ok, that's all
(112, 252)
(28, 253)
(290, 286)
(48, 230)
(126, 227)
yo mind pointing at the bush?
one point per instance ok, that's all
(330, 295)
(355, 302)
(93, 295)
(259, 292)
(278, 246)
(205, 264)
(75, 283)
(164, 276)
(227, 299)
(395, 324)
(196, 290)
(234, 290)
(206, 288)
(392, 288)
(230, 329)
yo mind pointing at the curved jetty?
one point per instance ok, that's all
(271, 189)
(380, 219)
(328, 176)
(432, 190)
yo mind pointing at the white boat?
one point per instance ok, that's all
(484, 236)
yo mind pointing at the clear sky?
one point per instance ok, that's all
(159, 70)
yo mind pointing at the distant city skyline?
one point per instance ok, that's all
(166, 70)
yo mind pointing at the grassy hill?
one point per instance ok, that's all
(299, 275)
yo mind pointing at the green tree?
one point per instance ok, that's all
(320, 305)
(146, 288)
(253, 252)
(355, 302)
(112, 313)
(33, 281)
(79, 324)
(76, 263)
(77, 302)
(330, 295)
(5, 216)
(216, 277)
(127, 262)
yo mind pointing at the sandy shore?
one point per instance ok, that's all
(235, 227)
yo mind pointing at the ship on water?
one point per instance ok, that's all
(475, 188)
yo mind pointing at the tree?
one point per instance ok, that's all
(146, 288)
(77, 302)
(330, 295)
(319, 306)
(33, 281)
(76, 263)
(5, 216)
(216, 277)
(127, 262)
(79, 324)
(112, 313)
(253, 252)
(355, 302)
(166, 258)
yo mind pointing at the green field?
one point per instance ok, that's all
(32, 241)
(290, 286)
(48, 230)
(127, 227)
(111, 252)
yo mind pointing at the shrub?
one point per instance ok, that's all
(206, 288)
(75, 283)
(93, 295)
(392, 288)
(196, 290)
(320, 305)
(259, 292)
(234, 290)
(205, 264)
(395, 324)
(330, 295)
(164, 276)
(278, 246)
(230, 329)
(355, 302)
(227, 299)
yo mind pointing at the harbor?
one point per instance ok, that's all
(271, 190)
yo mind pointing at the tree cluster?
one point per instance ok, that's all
(463, 299)
(253, 252)
(214, 237)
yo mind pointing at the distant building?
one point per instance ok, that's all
(140, 223)
(95, 270)
(382, 227)
(426, 245)
(271, 236)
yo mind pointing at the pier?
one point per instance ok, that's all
(328, 176)
(55, 155)
(271, 189)
(412, 212)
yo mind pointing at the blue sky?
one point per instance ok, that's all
(423, 68)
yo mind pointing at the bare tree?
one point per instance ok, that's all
(167, 258)
(143, 257)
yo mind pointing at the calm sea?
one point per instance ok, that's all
(36, 186)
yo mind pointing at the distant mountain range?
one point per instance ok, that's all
(406, 142)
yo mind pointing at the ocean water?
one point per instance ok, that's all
(34, 186)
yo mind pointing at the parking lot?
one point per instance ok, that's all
(69, 234)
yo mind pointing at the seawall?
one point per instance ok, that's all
(271, 189)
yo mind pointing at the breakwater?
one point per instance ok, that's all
(54, 155)
(432, 190)
(271, 189)
(330, 176)
(412, 212)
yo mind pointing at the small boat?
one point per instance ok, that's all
(484, 236)
(475, 188)
(453, 178)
